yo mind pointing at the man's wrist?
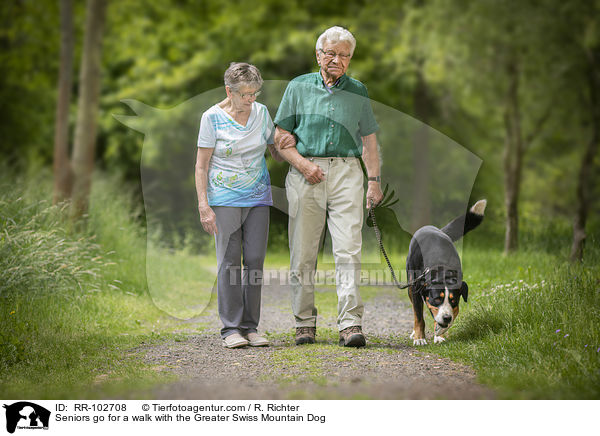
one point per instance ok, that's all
(374, 179)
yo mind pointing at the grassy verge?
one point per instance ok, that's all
(530, 328)
(73, 304)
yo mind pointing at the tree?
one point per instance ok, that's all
(497, 54)
(588, 45)
(62, 166)
(87, 107)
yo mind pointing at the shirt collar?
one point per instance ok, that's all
(337, 83)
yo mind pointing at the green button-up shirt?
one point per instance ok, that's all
(327, 122)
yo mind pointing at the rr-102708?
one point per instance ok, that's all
(100, 407)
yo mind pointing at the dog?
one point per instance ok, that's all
(434, 273)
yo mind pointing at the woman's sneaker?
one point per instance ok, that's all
(235, 341)
(352, 337)
(255, 340)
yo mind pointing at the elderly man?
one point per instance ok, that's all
(325, 123)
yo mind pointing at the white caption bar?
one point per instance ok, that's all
(113, 417)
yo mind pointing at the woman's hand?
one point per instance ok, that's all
(208, 219)
(274, 153)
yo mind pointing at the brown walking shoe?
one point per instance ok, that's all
(352, 337)
(305, 335)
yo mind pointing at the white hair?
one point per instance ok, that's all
(337, 34)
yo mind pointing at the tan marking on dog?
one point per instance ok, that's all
(419, 324)
(434, 310)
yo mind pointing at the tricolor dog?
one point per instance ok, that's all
(434, 272)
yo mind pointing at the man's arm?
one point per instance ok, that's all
(286, 146)
(370, 157)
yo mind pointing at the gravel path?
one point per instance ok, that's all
(388, 368)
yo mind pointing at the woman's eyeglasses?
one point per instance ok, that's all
(249, 95)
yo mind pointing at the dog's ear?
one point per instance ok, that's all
(464, 291)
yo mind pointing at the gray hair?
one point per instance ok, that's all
(337, 34)
(240, 73)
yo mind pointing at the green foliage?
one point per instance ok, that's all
(38, 256)
(442, 62)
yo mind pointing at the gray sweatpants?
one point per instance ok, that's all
(241, 231)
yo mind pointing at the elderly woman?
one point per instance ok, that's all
(234, 195)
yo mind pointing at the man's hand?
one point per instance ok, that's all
(208, 219)
(284, 139)
(374, 194)
(312, 172)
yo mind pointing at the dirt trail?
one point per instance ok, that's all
(388, 368)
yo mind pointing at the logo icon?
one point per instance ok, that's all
(26, 415)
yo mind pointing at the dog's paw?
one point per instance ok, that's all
(418, 342)
(412, 335)
(438, 340)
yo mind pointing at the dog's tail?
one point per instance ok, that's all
(463, 224)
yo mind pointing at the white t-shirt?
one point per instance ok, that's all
(237, 175)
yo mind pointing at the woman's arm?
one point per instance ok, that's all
(286, 147)
(274, 153)
(207, 216)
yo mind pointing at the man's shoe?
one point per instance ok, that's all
(305, 335)
(352, 337)
(255, 340)
(234, 341)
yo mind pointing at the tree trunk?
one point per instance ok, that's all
(513, 158)
(585, 172)
(87, 107)
(62, 167)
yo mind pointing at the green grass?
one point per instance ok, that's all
(179, 283)
(73, 303)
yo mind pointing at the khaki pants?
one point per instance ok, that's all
(337, 200)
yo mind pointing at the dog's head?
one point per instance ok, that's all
(442, 298)
(443, 303)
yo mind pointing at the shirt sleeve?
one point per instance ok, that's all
(286, 113)
(367, 123)
(206, 135)
(270, 131)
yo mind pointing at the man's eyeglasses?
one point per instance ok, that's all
(253, 94)
(330, 54)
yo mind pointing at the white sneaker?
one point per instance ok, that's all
(234, 341)
(256, 340)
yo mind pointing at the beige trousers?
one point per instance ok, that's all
(337, 201)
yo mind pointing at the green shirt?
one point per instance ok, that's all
(327, 122)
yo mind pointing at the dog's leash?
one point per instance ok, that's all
(382, 248)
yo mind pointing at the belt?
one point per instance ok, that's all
(331, 158)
